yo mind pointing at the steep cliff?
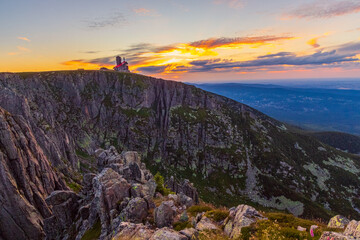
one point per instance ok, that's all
(231, 152)
(26, 179)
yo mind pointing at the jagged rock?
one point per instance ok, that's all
(110, 189)
(150, 202)
(168, 234)
(353, 229)
(206, 224)
(84, 212)
(338, 222)
(164, 214)
(87, 181)
(131, 157)
(137, 190)
(132, 172)
(108, 157)
(131, 231)
(64, 207)
(185, 200)
(240, 217)
(190, 233)
(184, 187)
(136, 210)
(173, 197)
(334, 236)
(149, 187)
(26, 177)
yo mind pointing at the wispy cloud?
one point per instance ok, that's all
(90, 52)
(146, 12)
(24, 38)
(23, 49)
(324, 9)
(114, 20)
(222, 42)
(231, 3)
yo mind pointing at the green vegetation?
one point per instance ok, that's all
(193, 210)
(160, 185)
(282, 226)
(213, 235)
(93, 233)
(82, 154)
(74, 186)
(217, 215)
(178, 226)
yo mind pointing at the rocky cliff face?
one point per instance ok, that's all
(26, 179)
(231, 152)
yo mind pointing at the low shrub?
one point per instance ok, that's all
(193, 210)
(160, 185)
(178, 226)
(217, 215)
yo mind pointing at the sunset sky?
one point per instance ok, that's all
(185, 40)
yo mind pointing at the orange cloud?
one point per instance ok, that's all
(24, 38)
(13, 53)
(146, 12)
(237, 42)
(314, 42)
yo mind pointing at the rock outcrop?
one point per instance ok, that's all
(239, 217)
(338, 221)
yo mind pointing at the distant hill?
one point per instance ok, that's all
(343, 141)
(321, 108)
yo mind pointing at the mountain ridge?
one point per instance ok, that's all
(232, 153)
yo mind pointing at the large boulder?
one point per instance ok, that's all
(206, 224)
(136, 210)
(164, 214)
(131, 231)
(240, 217)
(168, 234)
(353, 229)
(338, 222)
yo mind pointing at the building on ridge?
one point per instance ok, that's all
(121, 66)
